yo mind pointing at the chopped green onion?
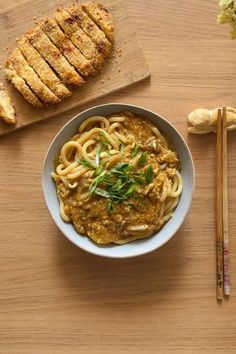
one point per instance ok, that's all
(98, 153)
(101, 133)
(143, 159)
(98, 171)
(87, 163)
(130, 190)
(121, 166)
(121, 148)
(134, 151)
(105, 143)
(109, 206)
(119, 183)
(96, 181)
(102, 192)
(149, 174)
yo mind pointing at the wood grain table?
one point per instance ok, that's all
(57, 299)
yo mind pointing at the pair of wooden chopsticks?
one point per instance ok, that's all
(222, 234)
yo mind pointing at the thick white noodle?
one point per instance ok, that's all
(179, 185)
(113, 127)
(85, 154)
(94, 119)
(78, 173)
(62, 171)
(86, 136)
(62, 211)
(116, 119)
(67, 150)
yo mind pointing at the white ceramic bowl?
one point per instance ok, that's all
(138, 247)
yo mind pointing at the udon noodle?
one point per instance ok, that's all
(118, 179)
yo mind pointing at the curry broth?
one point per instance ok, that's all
(91, 216)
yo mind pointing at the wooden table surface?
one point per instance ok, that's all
(54, 297)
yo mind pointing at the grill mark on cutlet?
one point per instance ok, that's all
(67, 48)
(41, 67)
(102, 44)
(29, 75)
(21, 85)
(79, 38)
(54, 57)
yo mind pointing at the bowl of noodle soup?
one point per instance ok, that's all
(118, 180)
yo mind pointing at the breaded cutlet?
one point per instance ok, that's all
(28, 74)
(64, 44)
(100, 15)
(79, 38)
(103, 45)
(21, 85)
(7, 110)
(41, 67)
(54, 57)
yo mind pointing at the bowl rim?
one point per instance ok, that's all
(123, 106)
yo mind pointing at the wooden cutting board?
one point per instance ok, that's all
(126, 66)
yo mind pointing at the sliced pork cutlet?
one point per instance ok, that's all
(100, 15)
(64, 44)
(103, 45)
(7, 110)
(54, 57)
(79, 38)
(42, 68)
(21, 85)
(28, 74)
